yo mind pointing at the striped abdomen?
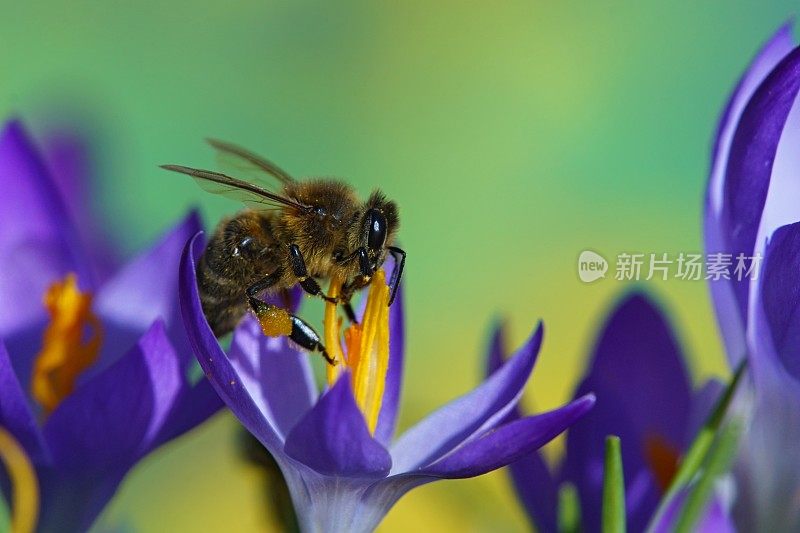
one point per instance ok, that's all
(242, 251)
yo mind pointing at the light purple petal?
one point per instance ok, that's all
(333, 438)
(638, 374)
(767, 466)
(780, 303)
(750, 165)
(715, 519)
(15, 412)
(277, 377)
(766, 469)
(490, 451)
(215, 363)
(145, 290)
(387, 419)
(778, 46)
(38, 246)
(731, 316)
(452, 424)
(503, 445)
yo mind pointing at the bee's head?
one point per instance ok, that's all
(376, 228)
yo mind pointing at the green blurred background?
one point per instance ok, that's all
(513, 135)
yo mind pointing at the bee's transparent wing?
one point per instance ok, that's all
(250, 194)
(254, 168)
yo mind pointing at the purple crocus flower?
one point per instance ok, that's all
(98, 377)
(644, 396)
(752, 207)
(342, 476)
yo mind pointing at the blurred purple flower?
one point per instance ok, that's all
(340, 476)
(644, 396)
(136, 395)
(752, 207)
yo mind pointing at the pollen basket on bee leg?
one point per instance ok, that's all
(274, 321)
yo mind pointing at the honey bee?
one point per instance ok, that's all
(305, 230)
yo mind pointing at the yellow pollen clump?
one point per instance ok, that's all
(367, 347)
(67, 350)
(24, 485)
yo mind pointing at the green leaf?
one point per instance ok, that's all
(699, 448)
(613, 488)
(569, 509)
(717, 463)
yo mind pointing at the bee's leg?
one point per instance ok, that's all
(349, 313)
(399, 262)
(308, 283)
(264, 283)
(305, 336)
(278, 322)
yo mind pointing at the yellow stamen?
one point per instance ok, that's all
(65, 353)
(25, 486)
(333, 326)
(367, 345)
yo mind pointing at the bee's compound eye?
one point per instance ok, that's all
(375, 224)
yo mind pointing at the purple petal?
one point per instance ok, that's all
(99, 432)
(37, 244)
(780, 302)
(452, 424)
(69, 156)
(145, 290)
(212, 359)
(15, 412)
(126, 405)
(533, 483)
(333, 438)
(778, 46)
(195, 404)
(536, 490)
(508, 443)
(750, 165)
(638, 375)
(730, 316)
(387, 419)
(277, 377)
